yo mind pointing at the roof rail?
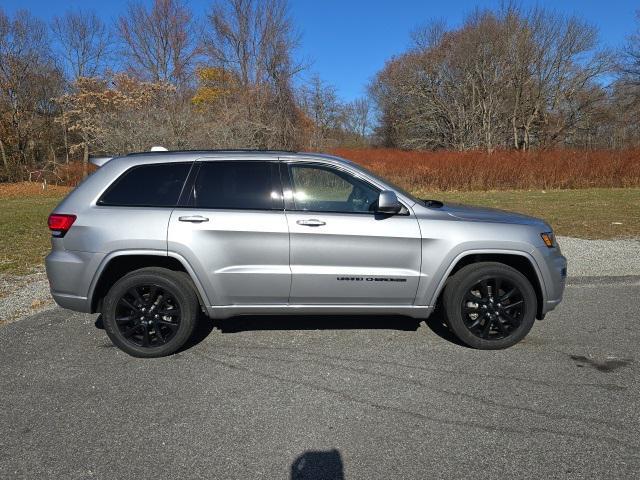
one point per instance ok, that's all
(222, 150)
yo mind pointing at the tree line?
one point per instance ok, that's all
(160, 75)
(510, 79)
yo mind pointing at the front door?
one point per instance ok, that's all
(342, 252)
(232, 230)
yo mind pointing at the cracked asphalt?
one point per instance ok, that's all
(336, 398)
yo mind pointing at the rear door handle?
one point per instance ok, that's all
(193, 219)
(312, 222)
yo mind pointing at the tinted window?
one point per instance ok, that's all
(237, 185)
(322, 189)
(156, 185)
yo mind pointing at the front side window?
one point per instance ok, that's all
(324, 189)
(239, 185)
(154, 185)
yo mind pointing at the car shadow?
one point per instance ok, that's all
(247, 323)
(252, 323)
(316, 322)
(438, 325)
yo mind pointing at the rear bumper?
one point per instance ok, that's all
(71, 302)
(70, 274)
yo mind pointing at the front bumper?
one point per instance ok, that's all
(553, 267)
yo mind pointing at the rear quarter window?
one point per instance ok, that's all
(154, 185)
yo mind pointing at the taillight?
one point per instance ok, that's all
(60, 223)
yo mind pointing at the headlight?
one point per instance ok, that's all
(549, 239)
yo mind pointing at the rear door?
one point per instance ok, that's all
(342, 252)
(133, 212)
(233, 232)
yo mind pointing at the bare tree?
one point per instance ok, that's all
(252, 38)
(623, 125)
(358, 117)
(630, 62)
(84, 42)
(563, 66)
(504, 79)
(321, 105)
(160, 43)
(429, 35)
(28, 82)
(254, 42)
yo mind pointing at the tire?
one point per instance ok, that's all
(482, 319)
(150, 312)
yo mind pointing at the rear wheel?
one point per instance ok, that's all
(150, 312)
(490, 305)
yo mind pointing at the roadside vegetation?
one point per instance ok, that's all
(501, 170)
(232, 75)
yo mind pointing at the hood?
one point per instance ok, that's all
(491, 215)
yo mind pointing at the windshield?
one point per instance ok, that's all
(394, 187)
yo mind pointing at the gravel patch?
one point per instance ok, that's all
(597, 258)
(23, 295)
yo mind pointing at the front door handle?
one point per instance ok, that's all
(193, 219)
(312, 222)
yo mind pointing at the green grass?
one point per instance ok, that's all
(24, 237)
(588, 213)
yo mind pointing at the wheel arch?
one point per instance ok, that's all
(118, 264)
(521, 261)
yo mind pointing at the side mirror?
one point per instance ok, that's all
(388, 203)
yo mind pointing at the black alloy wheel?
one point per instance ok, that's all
(151, 312)
(493, 308)
(148, 315)
(489, 305)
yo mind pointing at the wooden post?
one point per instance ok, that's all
(85, 161)
(4, 158)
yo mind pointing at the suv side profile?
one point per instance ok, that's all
(151, 239)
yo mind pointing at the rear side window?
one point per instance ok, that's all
(155, 185)
(237, 185)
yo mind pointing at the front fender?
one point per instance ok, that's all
(433, 281)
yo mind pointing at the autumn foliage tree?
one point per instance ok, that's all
(118, 115)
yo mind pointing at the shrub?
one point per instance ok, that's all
(501, 170)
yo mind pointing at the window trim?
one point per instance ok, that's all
(186, 198)
(100, 203)
(288, 185)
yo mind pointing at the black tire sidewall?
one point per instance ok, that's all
(168, 280)
(466, 278)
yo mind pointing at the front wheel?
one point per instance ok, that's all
(490, 305)
(150, 312)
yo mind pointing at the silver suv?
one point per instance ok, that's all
(151, 239)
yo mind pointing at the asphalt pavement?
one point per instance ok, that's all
(338, 397)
